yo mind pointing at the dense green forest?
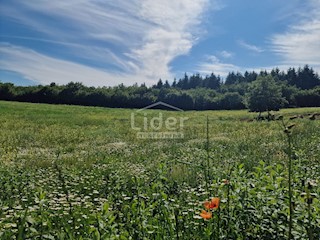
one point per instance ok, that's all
(293, 88)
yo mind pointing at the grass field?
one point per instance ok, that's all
(71, 172)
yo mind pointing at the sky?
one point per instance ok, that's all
(109, 42)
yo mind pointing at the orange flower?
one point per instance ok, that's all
(213, 204)
(206, 215)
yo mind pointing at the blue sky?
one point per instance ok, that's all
(105, 43)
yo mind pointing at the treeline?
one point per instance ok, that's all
(299, 88)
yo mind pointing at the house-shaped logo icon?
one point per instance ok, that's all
(160, 105)
(157, 126)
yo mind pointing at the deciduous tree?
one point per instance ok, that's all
(264, 95)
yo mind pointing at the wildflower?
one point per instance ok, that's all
(225, 181)
(213, 204)
(206, 215)
(311, 184)
(197, 217)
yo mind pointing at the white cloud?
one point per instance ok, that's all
(43, 69)
(250, 47)
(226, 54)
(218, 67)
(213, 64)
(79, 19)
(94, 54)
(300, 44)
(139, 37)
(171, 34)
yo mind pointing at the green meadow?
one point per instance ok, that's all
(72, 172)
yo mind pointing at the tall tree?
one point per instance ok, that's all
(183, 83)
(307, 78)
(264, 95)
(292, 76)
(250, 76)
(174, 84)
(231, 79)
(159, 84)
(166, 84)
(212, 82)
(195, 81)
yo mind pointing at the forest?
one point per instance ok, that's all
(295, 88)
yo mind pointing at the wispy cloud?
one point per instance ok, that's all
(250, 47)
(139, 37)
(300, 44)
(222, 68)
(43, 69)
(170, 36)
(103, 56)
(226, 54)
(215, 65)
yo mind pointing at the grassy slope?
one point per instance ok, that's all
(35, 137)
(48, 129)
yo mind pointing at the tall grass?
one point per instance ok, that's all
(107, 184)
